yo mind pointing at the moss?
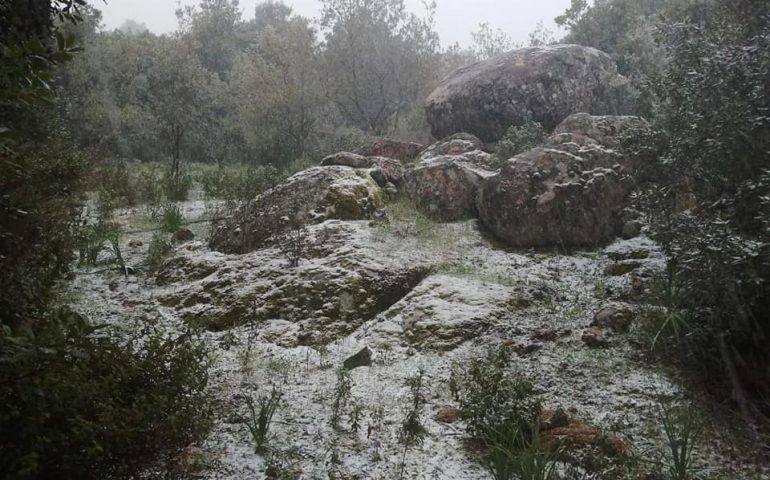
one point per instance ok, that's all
(344, 204)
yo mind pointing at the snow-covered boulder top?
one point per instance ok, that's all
(544, 84)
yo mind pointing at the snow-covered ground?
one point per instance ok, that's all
(478, 294)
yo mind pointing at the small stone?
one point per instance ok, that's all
(525, 348)
(595, 337)
(545, 334)
(631, 229)
(553, 419)
(448, 414)
(616, 317)
(183, 235)
(135, 243)
(361, 359)
(621, 268)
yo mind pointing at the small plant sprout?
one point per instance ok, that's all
(261, 416)
(342, 393)
(355, 417)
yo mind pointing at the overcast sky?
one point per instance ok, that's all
(455, 19)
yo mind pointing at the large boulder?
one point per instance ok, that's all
(383, 170)
(456, 144)
(311, 196)
(607, 130)
(544, 84)
(446, 186)
(445, 180)
(390, 148)
(548, 197)
(568, 192)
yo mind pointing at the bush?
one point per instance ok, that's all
(39, 220)
(159, 249)
(491, 398)
(177, 187)
(235, 184)
(77, 405)
(501, 412)
(260, 417)
(114, 182)
(716, 142)
(519, 139)
(171, 218)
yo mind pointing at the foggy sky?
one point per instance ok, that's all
(455, 19)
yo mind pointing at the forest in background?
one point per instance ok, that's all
(283, 90)
(274, 90)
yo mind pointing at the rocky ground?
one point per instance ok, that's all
(420, 295)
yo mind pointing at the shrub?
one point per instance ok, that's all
(39, 220)
(114, 182)
(683, 432)
(236, 184)
(342, 394)
(716, 142)
(494, 401)
(79, 405)
(412, 429)
(501, 412)
(519, 139)
(260, 416)
(149, 185)
(159, 249)
(292, 241)
(177, 187)
(509, 460)
(171, 218)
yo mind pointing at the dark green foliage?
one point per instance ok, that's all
(519, 139)
(508, 459)
(492, 397)
(177, 186)
(238, 184)
(501, 412)
(114, 183)
(412, 430)
(39, 217)
(715, 119)
(79, 405)
(171, 218)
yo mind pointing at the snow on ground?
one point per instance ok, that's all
(480, 294)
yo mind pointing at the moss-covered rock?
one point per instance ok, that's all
(309, 197)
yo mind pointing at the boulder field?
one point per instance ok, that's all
(568, 192)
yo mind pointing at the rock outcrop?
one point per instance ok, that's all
(404, 152)
(567, 193)
(544, 84)
(445, 180)
(456, 144)
(310, 196)
(443, 312)
(334, 289)
(383, 170)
